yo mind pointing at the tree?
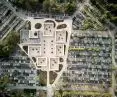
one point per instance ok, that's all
(8, 44)
(43, 78)
(70, 8)
(25, 4)
(46, 5)
(61, 92)
(4, 82)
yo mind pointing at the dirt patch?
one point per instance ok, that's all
(52, 76)
(43, 78)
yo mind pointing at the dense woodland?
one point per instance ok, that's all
(8, 44)
(51, 6)
(107, 7)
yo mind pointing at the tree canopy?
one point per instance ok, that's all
(8, 44)
(47, 6)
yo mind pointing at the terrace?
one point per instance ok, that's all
(25, 38)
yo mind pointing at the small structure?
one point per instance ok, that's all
(54, 64)
(34, 50)
(48, 29)
(41, 61)
(61, 36)
(60, 49)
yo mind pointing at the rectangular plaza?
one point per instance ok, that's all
(46, 42)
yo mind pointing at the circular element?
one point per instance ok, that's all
(38, 25)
